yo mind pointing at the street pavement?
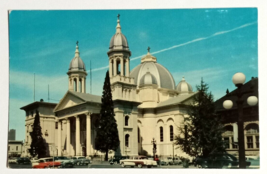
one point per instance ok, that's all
(103, 164)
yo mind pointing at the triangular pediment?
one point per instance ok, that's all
(68, 100)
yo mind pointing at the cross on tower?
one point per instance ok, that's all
(77, 43)
(118, 16)
(148, 49)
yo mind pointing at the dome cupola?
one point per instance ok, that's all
(184, 87)
(77, 63)
(148, 79)
(118, 41)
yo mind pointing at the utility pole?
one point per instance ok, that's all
(154, 147)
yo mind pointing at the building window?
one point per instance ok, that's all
(257, 142)
(8, 148)
(161, 133)
(17, 148)
(127, 121)
(227, 142)
(138, 135)
(127, 140)
(56, 125)
(171, 133)
(249, 142)
(234, 145)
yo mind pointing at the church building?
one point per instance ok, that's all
(147, 104)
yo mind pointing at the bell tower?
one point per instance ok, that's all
(77, 73)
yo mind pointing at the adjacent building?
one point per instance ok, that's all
(12, 134)
(250, 117)
(15, 148)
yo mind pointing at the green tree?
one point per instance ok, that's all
(38, 144)
(107, 137)
(202, 131)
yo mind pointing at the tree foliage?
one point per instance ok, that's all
(107, 137)
(202, 131)
(38, 144)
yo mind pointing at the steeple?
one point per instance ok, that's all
(118, 27)
(77, 53)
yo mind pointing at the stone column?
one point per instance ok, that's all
(115, 66)
(127, 68)
(88, 134)
(82, 85)
(78, 144)
(254, 142)
(122, 67)
(110, 68)
(78, 85)
(69, 83)
(59, 138)
(68, 136)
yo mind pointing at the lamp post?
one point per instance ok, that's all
(154, 147)
(239, 79)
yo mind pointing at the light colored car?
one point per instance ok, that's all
(65, 162)
(254, 161)
(12, 160)
(80, 160)
(139, 161)
(173, 161)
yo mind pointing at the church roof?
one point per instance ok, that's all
(87, 97)
(175, 100)
(77, 63)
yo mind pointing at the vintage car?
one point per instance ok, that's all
(65, 162)
(139, 161)
(80, 160)
(12, 160)
(116, 159)
(43, 163)
(23, 161)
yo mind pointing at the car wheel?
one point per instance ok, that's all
(122, 165)
(139, 165)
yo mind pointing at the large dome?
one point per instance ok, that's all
(118, 41)
(77, 63)
(163, 77)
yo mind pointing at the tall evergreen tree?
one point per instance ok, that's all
(107, 137)
(202, 133)
(38, 144)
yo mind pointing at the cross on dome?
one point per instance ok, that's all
(118, 16)
(148, 49)
(77, 43)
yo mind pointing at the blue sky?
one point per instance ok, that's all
(191, 43)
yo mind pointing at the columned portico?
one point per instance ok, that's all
(88, 134)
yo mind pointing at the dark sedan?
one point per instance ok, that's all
(116, 159)
(23, 161)
(223, 160)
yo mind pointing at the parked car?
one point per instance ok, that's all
(65, 162)
(116, 159)
(139, 161)
(217, 160)
(173, 161)
(43, 163)
(12, 160)
(23, 161)
(254, 161)
(80, 160)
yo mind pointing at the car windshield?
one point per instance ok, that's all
(81, 158)
(62, 157)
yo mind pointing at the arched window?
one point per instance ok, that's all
(161, 133)
(127, 121)
(127, 140)
(171, 133)
(138, 135)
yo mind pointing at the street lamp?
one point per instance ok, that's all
(239, 79)
(154, 147)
